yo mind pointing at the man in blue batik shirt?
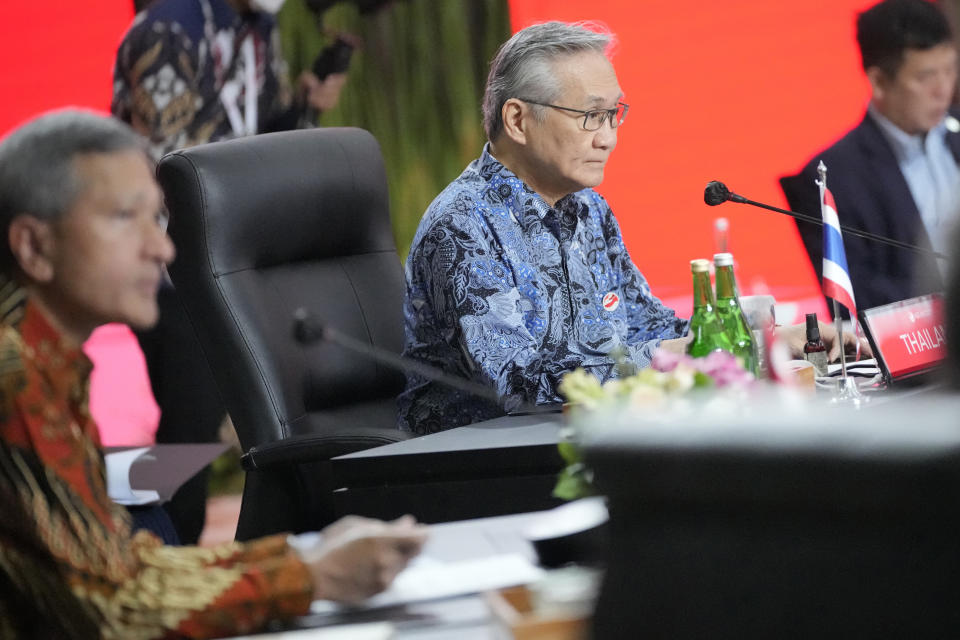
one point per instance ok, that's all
(518, 273)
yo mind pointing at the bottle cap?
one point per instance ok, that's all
(699, 265)
(813, 329)
(723, 259)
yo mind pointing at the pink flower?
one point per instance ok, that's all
(721, 366)
(667, 361)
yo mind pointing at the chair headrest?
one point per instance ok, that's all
(252, 192)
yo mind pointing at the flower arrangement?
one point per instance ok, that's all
(670, 377)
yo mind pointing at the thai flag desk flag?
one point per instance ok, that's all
(836, 274)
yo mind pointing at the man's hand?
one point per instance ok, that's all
(359, 557)
(796, 336)
(677, 345)
(322, 95)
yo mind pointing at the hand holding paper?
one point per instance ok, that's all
(358, 557)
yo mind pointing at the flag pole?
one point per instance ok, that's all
(838, 322)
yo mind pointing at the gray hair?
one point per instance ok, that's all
(523, 67)
(37, 169)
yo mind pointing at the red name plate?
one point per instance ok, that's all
(909, 334)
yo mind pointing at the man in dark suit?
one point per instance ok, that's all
(896, 174)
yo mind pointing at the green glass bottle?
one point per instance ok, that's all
(731, 315)
(708, 333)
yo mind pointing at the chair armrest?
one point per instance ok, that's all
(319, 447)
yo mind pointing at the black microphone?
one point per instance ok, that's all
(307, 330)
(718, 193)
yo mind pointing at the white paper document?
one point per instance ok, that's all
(429, 579)
(118, 479)
(568, 519)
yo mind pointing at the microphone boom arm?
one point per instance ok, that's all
(717, 193)
(407, 364)
(849, 230)
(307, 330)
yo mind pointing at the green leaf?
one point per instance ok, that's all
(573, 483)
(702, 380)
(569, 451)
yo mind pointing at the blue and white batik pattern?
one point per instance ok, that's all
(512, 293)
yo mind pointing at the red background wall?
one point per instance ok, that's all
(740, 91)
(57, 53)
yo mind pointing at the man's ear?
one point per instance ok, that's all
(516, 118)
(31, 241)
(878, 82)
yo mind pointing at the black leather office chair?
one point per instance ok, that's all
(266, 226)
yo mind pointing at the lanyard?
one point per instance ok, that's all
(245, 125)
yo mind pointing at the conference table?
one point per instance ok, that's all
(801, 492)
(497, 467)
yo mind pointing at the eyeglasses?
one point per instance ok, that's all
(162, 219)
(593, 119)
